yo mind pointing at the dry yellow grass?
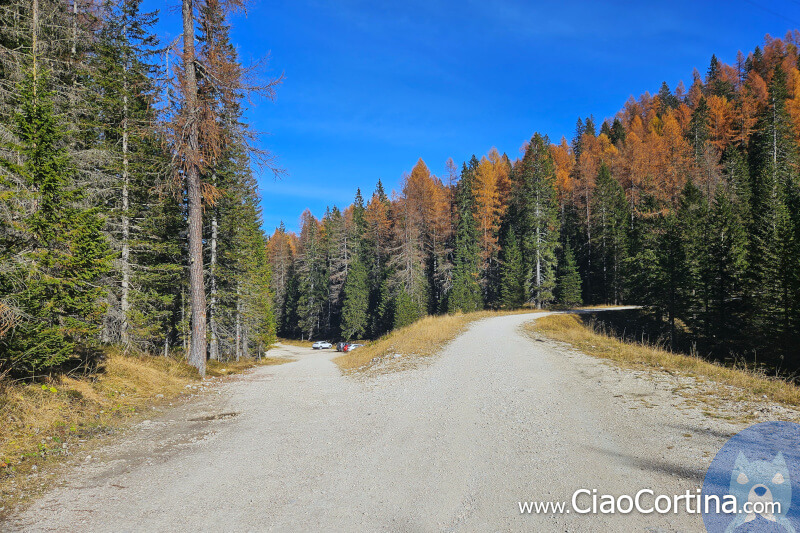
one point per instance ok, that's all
(217, 369)
(295, 342)
(42, 423)
(750, 384)
(423, 338)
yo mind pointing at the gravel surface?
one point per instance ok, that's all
(453, 445)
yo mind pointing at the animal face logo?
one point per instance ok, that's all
(753, 479)
(766, 489)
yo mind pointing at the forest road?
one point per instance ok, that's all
(454, 445)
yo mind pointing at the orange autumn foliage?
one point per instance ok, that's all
(564, 160)
(720, 121)
(488, 207)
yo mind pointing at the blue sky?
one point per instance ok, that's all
(372, 86)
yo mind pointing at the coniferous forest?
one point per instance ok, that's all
(687, 202)
(129, 213)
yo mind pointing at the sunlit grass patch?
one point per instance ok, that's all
(423, 338)
(219, 369)
(295, 342)
(43, 423)
(737, 383)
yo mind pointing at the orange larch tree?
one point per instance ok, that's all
(565, 162)
(720, 122)
(487, 210)
(750, 102)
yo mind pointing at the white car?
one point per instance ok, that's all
(351, 347)
(321, 345)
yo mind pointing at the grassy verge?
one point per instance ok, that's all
(744, 383)
(423, 338)
(42, 424)
(295, 342)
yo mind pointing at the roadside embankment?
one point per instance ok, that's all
(738, 383)
(45, 422)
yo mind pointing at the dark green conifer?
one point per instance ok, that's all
(62, 252)
(568, 284)
(465, 294)
(356, 302)
(512, 273)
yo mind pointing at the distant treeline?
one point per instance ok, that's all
(687, 202)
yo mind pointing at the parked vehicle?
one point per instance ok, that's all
(340, 346)
(351, 347)
(321, 345)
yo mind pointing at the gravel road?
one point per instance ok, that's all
(497, 418)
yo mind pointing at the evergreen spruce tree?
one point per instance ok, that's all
(54, 276)
(356, 302)
(590, 127)
(289, 325)
(406, 310)
(313, 278)
(610, 221)
(255, 319)
(536, 207)
(716, 84)
(512, 273)
(577, 139)
(774, 292)
(605, 129)
(669, 278)
(568, 284)
(698, 133)
(725, 267)
(281, 257)
(374, 247)
(383, 301)
(159, 277)
(140, 291)
(356, 289)
(692, 285)
(617, 132)
(359, 222)
(643, 281)
(773, 288)
(339, 254)
(668, 100)
(465, 294)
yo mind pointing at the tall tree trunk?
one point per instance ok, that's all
(238, 323)
(197, 295)
(538, 255)
(183, 320)
(588, 246)
(245, 340)
(604, 252)
(73, 95)
(74, 47)
(213, 349)
(126, 223)
(35, 41)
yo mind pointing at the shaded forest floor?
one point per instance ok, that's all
(44, 423)
(733, 383)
